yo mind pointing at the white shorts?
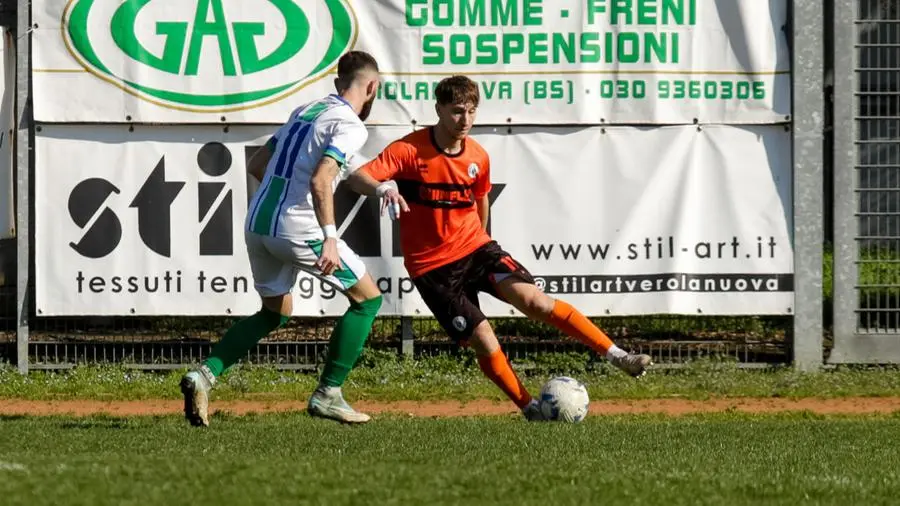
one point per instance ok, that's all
(276, 262)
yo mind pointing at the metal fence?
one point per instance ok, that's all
(163, 343)
(867, 181)
(858, 198)
(7, 299)
(7, 312)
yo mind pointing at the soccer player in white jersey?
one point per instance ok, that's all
(290, 227)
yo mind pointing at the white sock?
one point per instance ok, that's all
(208, 375)
(615, 352)
(200, 380)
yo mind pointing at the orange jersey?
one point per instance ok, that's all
(442, 224)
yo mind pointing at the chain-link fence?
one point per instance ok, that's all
(7, 301)
(7, 322)
(878, 164)
(867, 181)
(174, 342)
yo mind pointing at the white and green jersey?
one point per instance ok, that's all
(283, 206)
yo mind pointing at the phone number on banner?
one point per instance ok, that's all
(710, 89)
(639, 89)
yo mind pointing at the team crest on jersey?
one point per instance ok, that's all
(473, 170)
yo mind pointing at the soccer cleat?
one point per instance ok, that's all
(195, 387)
(533, 412)
(328, 402)
(635, 365)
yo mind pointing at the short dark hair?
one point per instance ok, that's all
(352, 63)
(457, 90)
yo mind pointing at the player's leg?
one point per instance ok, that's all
(494, 364)
(349, 335)
(443, 291)
(510, 281)
(246, 333)
(353, 329)
(273, 281)
(537, 305)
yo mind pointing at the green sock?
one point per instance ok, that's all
(242, 336)
(348, 339)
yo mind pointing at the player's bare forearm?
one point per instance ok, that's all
(484, 209)
(257, 164)
(321, 186)
(362, 183)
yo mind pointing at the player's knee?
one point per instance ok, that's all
(483, 340)
(365, 289)
(536, 303)
(370, 306)
(273, 319)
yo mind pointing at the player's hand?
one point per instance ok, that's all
(330, 260)
(394, 203)
(391, 200)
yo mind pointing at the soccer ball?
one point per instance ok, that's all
(564, 399)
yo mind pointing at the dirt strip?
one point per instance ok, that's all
(862, 405)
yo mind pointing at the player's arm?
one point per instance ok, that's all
(364, 184)
(390, 162)
(257, 164)
(321, 184)
(374, 178)
(346, 138)
(323, 203)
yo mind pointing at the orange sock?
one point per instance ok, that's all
(569, 320)
(496, 367)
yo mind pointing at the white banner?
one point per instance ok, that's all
(536, 61)
(7, 114)
(149, 222)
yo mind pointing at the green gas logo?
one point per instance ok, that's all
(209, 55)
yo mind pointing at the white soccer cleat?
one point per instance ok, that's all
(635, 365)
(328, 402)
(195, 387)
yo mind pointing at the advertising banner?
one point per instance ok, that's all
(149, 220)
(535, 61)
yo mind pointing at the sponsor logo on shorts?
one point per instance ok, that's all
(459, 323)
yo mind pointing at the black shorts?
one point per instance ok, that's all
(451, 291)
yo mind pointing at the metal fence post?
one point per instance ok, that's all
(808, 130)
(23, 183)
(846, 221)
(406, 336)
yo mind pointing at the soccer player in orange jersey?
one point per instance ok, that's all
(436, 182)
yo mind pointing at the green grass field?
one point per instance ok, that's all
(722, 459)
(293, 459)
